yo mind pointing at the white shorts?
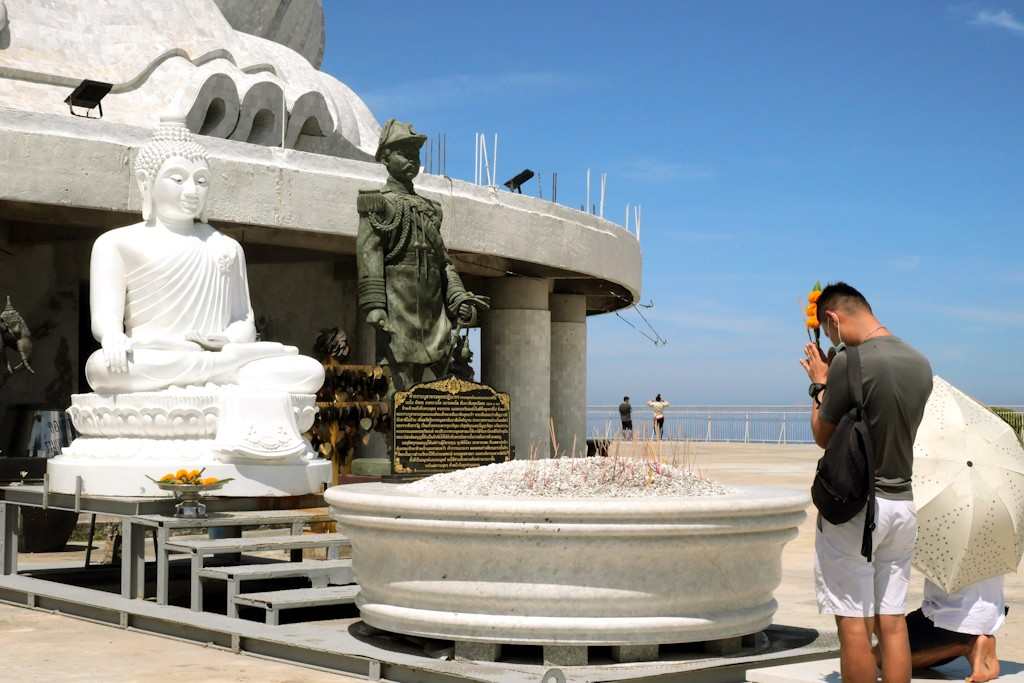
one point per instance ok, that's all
(846, 584)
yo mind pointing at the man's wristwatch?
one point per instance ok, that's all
(814, 391)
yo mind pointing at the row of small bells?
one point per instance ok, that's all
(351, 401)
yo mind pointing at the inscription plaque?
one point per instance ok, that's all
(449, 425)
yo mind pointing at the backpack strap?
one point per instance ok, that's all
(855, 378)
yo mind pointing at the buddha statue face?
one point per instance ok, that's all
(173, 176)
(178, 192)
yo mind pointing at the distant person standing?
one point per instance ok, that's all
(658, 406)
(626, 416)
(868, 597)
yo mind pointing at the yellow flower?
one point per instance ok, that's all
(812, 322)
(208, 481)
(181, 474)
(167, 477)
(814, 296)
(811, 310)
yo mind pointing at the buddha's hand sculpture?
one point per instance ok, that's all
(471, 305)
(116, 349)
(209, 342)
(378, 317)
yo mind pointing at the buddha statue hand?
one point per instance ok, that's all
(208, 342)
(116, 349)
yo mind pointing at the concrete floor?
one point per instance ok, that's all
(40, 646)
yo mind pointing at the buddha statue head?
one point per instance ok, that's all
(173, 175)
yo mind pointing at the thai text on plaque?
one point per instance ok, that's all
(448, 425)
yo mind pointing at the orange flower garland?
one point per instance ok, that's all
(811, 313)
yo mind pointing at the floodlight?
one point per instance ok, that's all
(87, 96)
(515, 184)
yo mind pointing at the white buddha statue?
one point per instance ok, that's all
(180, 380)
(169, 296)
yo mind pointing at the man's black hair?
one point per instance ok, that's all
(625, 398)
(840, 295)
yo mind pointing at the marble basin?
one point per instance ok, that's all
(595, 571)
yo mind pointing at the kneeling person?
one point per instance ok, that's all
(961, 624)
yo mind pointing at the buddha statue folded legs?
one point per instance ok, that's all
(258, 364)
(180, 379)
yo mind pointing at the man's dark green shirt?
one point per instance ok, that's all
(897, 382)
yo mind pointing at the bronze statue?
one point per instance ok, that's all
(16, 335)
(408, 288)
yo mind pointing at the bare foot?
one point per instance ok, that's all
(984, 662)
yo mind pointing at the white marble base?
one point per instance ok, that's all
(127, 477)
(251, 436)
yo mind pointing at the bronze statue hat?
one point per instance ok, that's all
(395, 132)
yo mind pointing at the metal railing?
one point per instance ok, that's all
(734, 424)
(1013, 416)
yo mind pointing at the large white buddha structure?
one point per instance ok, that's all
(290, 147)
(180, 380)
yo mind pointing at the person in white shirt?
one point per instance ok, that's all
(658, 406)
(961, 624)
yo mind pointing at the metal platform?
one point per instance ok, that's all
(349, 646)
(139, 514)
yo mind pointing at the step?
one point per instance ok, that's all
(337, 571)
(220, 546)
(827, 671)
(275, 601)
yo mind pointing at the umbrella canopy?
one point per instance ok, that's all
(969, 490)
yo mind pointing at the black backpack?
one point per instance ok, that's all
(845, 480)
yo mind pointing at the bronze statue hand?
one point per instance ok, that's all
(378, 317)
(211, 342)
(479, 302)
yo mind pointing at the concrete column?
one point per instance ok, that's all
(569, 371)
(515, 350)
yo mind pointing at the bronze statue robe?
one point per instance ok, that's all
(404, 269)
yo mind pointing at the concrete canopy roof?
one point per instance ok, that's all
(308, 200)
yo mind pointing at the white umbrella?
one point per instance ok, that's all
(969, 490)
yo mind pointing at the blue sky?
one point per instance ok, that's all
(770, 144)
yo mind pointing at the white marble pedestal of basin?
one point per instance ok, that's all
(567, 572)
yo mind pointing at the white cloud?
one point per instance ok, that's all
(987, 316)
(999, 19)
(657, 171)
(904, 264)
(718, 322)
(456, 89)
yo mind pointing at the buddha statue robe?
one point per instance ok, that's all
(177, 286)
